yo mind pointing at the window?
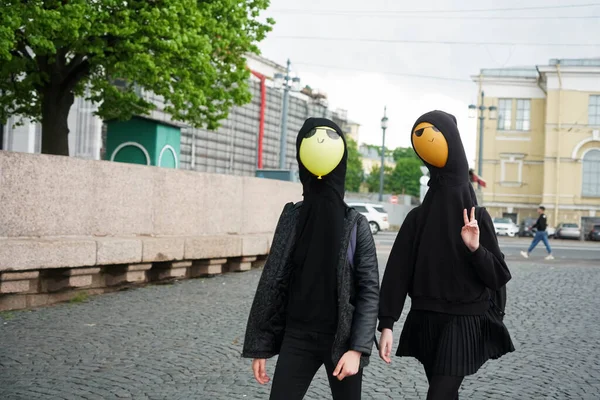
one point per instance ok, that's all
(511, 169)
(505, 114)
(594, 110)
(523, 115)
(361, 209)
(591, 174)
(380, 210)
(511, 216)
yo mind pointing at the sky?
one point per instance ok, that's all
(364, 55)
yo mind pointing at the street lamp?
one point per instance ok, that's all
(493, 114)
(384, 125)
(288, 83)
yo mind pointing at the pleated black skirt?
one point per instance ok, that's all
(454, 345)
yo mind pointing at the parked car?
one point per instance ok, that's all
(526, 228)
(567, 231)
(376, 215)
(594, 233)
(505, 227)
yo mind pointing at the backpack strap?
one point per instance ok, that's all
(351, 251)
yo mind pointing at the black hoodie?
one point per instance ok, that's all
(429, 260)
(313, 291)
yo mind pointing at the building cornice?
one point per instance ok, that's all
(505, 80)
(583, 70)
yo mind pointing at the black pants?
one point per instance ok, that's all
(301, 356)
(443, 387)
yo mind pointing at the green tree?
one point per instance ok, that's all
(189, 52)
(374, 176)
(404, 152)
(354, 172)
(405, 177)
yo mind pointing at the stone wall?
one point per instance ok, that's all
(68, 224)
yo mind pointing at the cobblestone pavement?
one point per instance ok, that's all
(183, 341)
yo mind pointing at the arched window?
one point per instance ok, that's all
(591, 174)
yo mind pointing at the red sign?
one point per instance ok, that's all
(394, 199)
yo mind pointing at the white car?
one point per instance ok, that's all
(376, 215)
(505, 227)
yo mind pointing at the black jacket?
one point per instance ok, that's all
(358, 292)
(541, 224)
(468, 293)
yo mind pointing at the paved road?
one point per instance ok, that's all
(564, 250)
(183, 341)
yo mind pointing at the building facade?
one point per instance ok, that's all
(371, 158)
(544, 146)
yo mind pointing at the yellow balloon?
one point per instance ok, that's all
(321, 151)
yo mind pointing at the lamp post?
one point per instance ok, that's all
(493, 111)
(384, 125)
(288, 83)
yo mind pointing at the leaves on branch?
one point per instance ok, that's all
(188, 52)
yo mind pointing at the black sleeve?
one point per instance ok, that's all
(398, 275)
(366, 272)
(260, 336)
(488, 260)
(542, 223)
(537, 224)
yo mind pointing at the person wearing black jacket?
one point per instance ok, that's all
(318, 295)
(541, 235)
(447, 259)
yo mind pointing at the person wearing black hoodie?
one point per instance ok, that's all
(447, 259)
(317, 299)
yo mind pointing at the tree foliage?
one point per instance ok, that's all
(372, 180)
(188, 52)
(404, 152)
(405, 177)
(354, 172)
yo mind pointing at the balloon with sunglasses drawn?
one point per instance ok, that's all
(321, 151)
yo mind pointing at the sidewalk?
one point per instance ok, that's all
(183, 341)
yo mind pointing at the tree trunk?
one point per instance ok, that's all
(56, 105)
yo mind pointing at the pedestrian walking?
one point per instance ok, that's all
(447, 259)
(541, 235)
(317, 298)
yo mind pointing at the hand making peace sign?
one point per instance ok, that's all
(470, 232)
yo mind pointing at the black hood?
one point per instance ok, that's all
(336, 179)
(440, 219)
(319, 235)
(456, 170)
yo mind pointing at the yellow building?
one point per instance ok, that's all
(544, 146)
(371, 158)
